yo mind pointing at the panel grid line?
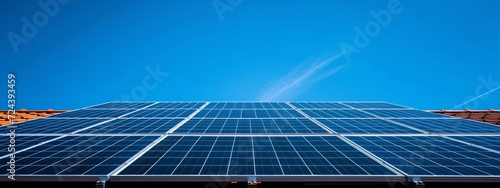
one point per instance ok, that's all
(206, 159)
(325, 157)
(111, 119)
(230, 157)
(274, 150)
(471, 144)
(412, 152)
(312, 119)
(76, 164)
(253, 156)
(165, 136)
(307, 166)
(187, 153)
(188, 118)
(407, 126)
(371, 155)
(33, 146)
(136, 156)
(289, 140)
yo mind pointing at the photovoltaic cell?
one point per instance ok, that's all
(79, 155)
(262, 113)
(451, 125)
(246, 105)
(130, 125)
(431, 155)
(337, 114)
(405, 114)
(20, 142)
(227, 155)
(162, 113)
(51, 125)
(371, 105)
(366, 126)
(265, 139)
(93, 113)
(491, 142)
(177, 105)
(134, 105)
(247, 126)
(316, 105)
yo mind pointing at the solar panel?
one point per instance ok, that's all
(405, 114)
(450, 125)
(337, 114)
(381, 105)
(257, 113)
(491, 142)
(21, 142)
(271, 141)
(134, 125)
(246, 155)
(316, 105)
(162, 113)
(250, 126)
(176, 105)
(93, 113)
(54, 125)
(368, 126)
(246, 105)
(428, 156)
(133, 105)
(78, 155)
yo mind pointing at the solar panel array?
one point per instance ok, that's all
(269, 141)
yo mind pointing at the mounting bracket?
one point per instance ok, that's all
(101, 182)
(415, 182)
(252, 181)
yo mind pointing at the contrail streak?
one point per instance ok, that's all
(475, 98)
(292, 81)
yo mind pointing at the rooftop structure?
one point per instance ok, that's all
(254, 144)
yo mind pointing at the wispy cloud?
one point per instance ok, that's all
(299, 76)
(475, 98)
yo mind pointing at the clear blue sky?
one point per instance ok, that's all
(428, 55)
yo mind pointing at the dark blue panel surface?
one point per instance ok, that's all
(431, 155)
(491, 142)
(79, 155)
(315, 105)
(375, 126)
(256, 138)
(20, 142)
(241, 155)
(177, 105)
(337, 114)
(371, 105)
(244, 113)
(51, 125)
(405, 114)
(134, 105)
(451, 125)
(93, 113)
(246, 105)
(129, 125)
(247, 126)
(162, 113)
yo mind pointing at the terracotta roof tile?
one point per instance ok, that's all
(23, 115)
(488, 116)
